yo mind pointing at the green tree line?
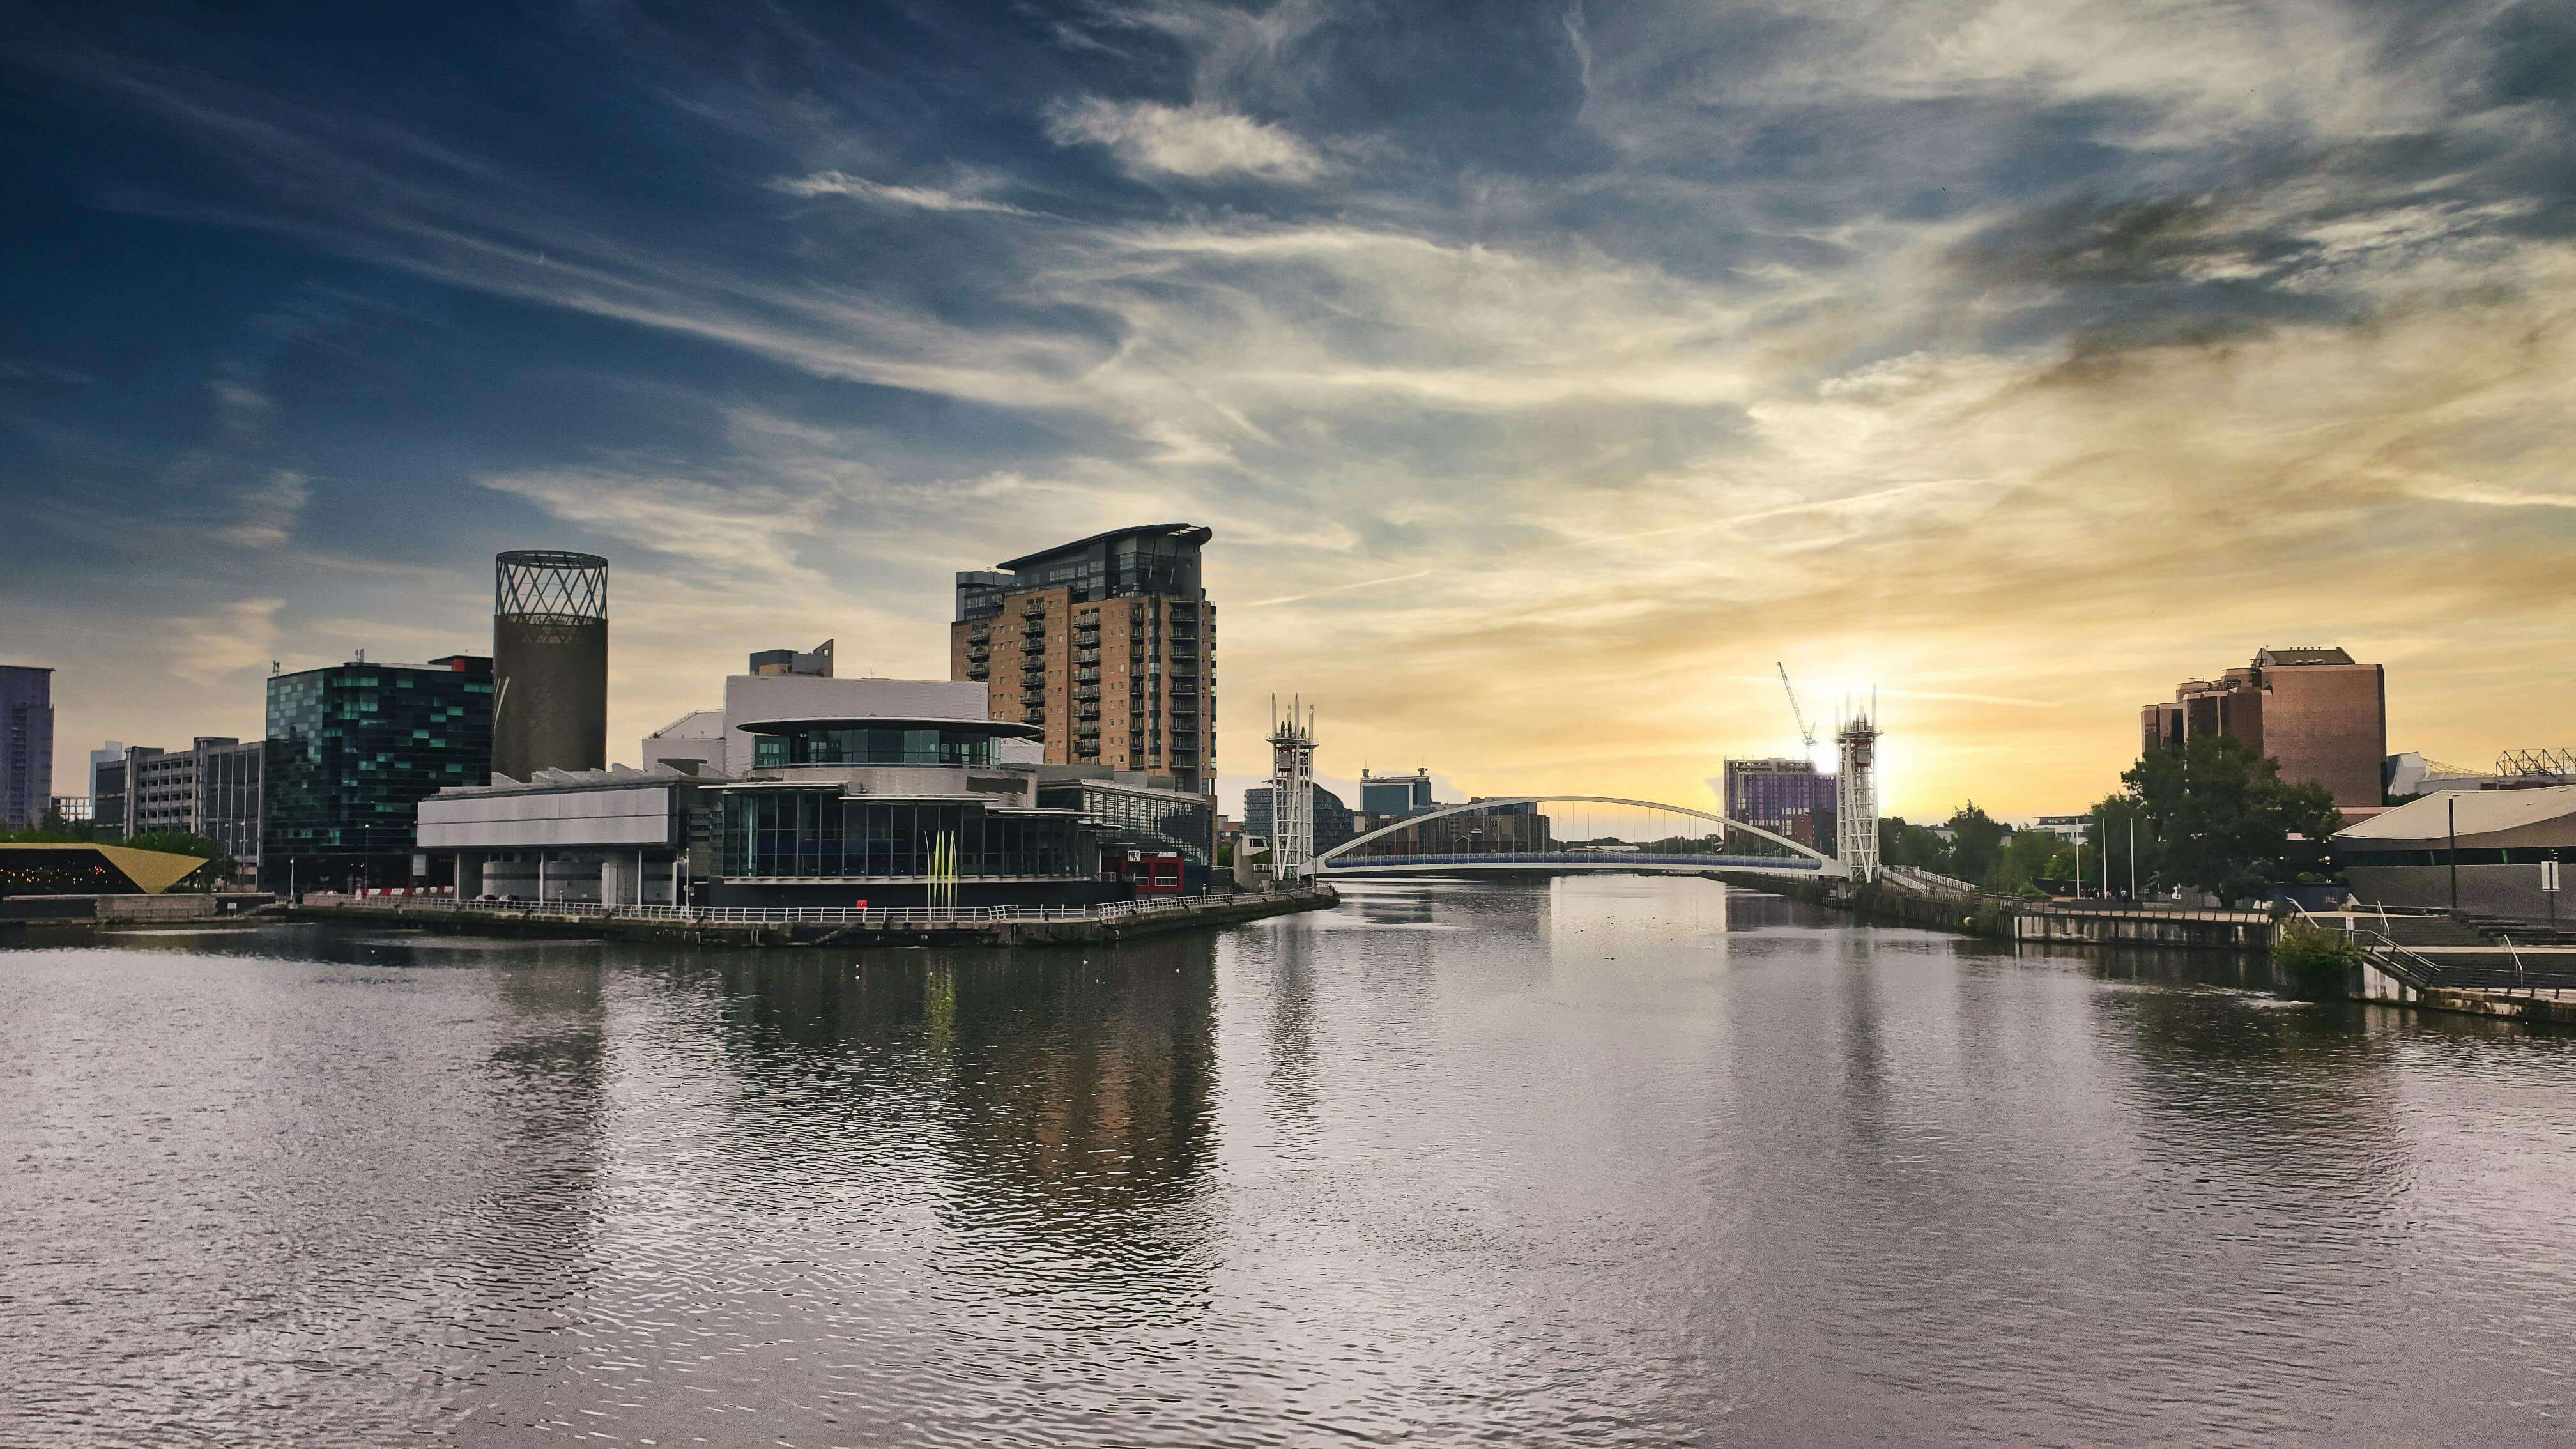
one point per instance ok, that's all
(2211, 815)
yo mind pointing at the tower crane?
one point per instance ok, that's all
(1806, 731)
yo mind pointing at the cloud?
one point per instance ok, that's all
(269, 511)
(28, 369)
(925, 198)
(1192, 141)
(226, 642)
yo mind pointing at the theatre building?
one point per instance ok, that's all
(883, 810)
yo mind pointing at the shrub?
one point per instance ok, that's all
(2314, 963)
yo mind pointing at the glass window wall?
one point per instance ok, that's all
(871, 747)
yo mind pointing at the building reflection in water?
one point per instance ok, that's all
(1067, 1095)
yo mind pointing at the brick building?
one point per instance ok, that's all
(1108, 644)
(2324, 717)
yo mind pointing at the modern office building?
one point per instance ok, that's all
(614, 837)
(1106, 646)
(549, 662)
(1334, 822)
(107, 790)
(26, 744)
(816, 661)
(1786, 797)
(2320, 714)
(1125, 820)
(72, 809)
(353, 749)
(1385, 798)
(213, 789)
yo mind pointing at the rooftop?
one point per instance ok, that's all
(2479, 812)
(2301, 654)
(1188, 533)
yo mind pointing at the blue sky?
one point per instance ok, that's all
(1546, 370)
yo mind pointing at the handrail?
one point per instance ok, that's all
(788, 915)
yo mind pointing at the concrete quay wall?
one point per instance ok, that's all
(1204, 914)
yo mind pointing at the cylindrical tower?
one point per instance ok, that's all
(549, 662)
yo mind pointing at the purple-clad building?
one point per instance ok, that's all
(1785, 797)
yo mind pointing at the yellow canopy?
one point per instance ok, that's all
(154, 871)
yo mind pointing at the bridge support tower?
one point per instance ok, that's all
(1856, 797)
(1292, 792)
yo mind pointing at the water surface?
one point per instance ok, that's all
(1617, 1161)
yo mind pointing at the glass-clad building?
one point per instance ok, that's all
(881, 811)
(353, 750)
(1120, 819)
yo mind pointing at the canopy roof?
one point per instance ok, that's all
(152, 871)
(2545, 816)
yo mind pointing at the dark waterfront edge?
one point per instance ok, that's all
(1210, 913)
(2238, 931)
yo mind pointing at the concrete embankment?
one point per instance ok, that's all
(1200, 914)
(2250, 932)
(1997, 919)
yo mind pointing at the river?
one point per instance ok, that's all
(1610, 1161)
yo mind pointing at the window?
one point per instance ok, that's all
(871, 747)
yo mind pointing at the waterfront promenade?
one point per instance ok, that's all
(823, 925)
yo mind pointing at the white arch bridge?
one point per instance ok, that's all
(1569, 834)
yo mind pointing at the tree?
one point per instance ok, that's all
(1902, 844)
(181, 842)
(1976, 843)
(2030, 857)
(2222, 815)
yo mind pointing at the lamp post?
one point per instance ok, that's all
(2451, 804)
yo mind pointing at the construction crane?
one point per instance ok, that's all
(1806, 731)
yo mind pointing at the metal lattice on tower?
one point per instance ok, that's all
(1856, 796)
(550, 593)
(1292, 791)
(549, 662)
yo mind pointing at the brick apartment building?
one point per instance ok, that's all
(1108, 643)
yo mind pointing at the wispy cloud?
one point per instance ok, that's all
(1191, 141)
(859, 188)
(269, 511)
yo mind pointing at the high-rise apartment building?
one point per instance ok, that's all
(353, 749)
(1107, 643)
(26, 744)
(2322, 716)
(1786, 797)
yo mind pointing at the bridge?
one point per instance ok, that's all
(1571, 835)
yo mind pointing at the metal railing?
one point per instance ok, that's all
(818, 915)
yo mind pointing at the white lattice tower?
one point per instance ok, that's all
(1292, 791)
(1856, 796)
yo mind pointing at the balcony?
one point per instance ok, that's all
(1035, 610)
(1087, 693)
(1033, 716)
(978, 673)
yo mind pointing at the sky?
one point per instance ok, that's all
(1547, 372)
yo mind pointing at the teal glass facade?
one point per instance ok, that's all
(871, 746)
(352, 751)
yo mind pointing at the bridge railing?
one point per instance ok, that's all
(1607, 860)
(887, 916)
